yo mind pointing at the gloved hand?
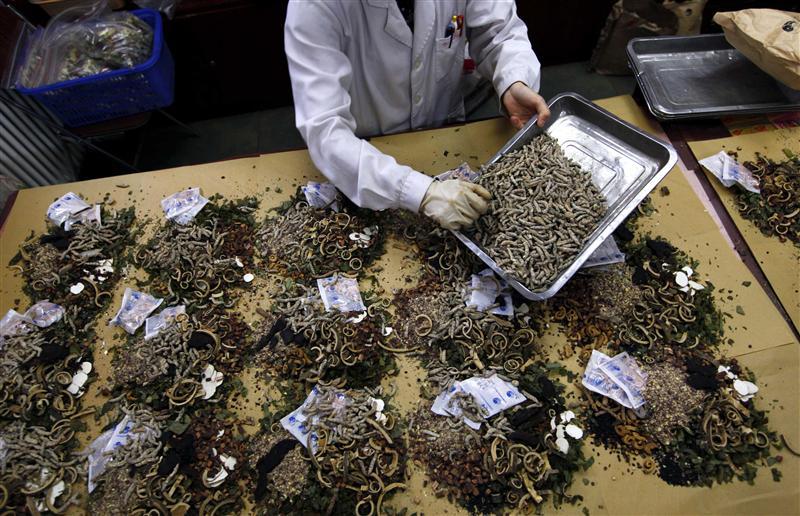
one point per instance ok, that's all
(455, 204)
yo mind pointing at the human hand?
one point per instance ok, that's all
(455, 204)
(522, 103)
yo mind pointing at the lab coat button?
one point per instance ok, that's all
(417, 64)
(417, 98)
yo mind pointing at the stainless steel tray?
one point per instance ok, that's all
(625, 163)
(685, 77)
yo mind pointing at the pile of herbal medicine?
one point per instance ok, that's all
(699, 423)
(491, 424)
(776, 210)
(543, 208)
(46, 360)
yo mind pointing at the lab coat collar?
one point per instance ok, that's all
(395, 25)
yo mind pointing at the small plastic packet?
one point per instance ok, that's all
(619, 378)
(136, 307)
(321, 195)
(463, 172)
(85, 217)
(491, 393)
(628, 375)
(14, 323)
(182, 207)
(608, 253)
(44, 313)
(156, 323)
(101, 450)
(487, 290)
(729, 171)
(66, 206)
(340, 293)
(298, 424)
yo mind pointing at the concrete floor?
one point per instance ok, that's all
(274, 130)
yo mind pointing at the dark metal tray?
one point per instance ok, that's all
(625, 163)
(685, 77)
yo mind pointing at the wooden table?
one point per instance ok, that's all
(762, 339)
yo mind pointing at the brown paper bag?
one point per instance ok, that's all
(769, 38)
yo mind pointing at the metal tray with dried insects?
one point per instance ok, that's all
(776, 210)
(304, 242)
(78, 267)
(518, 459)
(301, 340)
(543, 209)
(200, 263)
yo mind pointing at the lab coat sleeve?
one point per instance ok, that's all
(321, 74)
(498, 42)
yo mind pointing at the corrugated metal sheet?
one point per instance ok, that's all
(31, 151)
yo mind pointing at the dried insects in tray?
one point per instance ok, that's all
(544, 207)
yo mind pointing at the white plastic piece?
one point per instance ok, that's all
(219, 478)
(105, 266)
(228, 462)
(562, 444)
(358, 318)
(211, 380)
(567, 416)
(248, 277)
(238, 262)
(387, 330)
(745, 389)
(55, 491)
(681, 278)
(77, 288)
(574, 431)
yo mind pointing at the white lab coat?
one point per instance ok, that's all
(357, 71)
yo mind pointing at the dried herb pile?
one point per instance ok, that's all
(90, 255)
(695, 428)
(304, 242)
(304, 341)
(40, 404)
(776, 210)
(198, 264)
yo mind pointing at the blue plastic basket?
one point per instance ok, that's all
(88, 100)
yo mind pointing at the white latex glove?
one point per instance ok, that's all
(455, 204)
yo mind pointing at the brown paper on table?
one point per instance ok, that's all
(769, 38)
(780, 261)
(681, 219)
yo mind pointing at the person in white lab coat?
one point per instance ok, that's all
(358, 70)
